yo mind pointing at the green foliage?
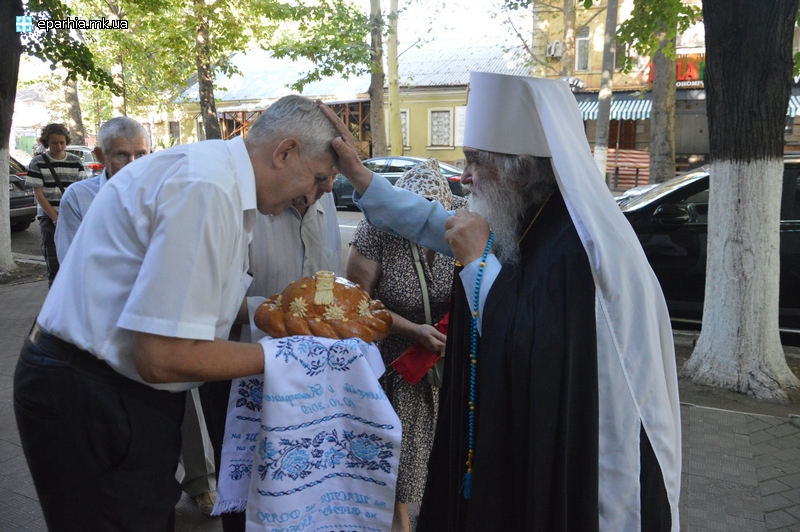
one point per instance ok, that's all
(516, 5)
(160, 144)
(95, 106)
(61, 47)
(158, 53)
(796, 57)
(331, 33)
(651, 22)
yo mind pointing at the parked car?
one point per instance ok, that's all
(392, 167)
(90, 163)
(21, 202)
(631, 193)
(671, 221)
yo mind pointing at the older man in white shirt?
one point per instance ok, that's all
(121, 141)
(146, 298)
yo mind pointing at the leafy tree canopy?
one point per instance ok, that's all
(61, 47)
(157, 49)
(651, 22)
(332, 34)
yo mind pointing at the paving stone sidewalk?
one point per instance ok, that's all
(741, 472)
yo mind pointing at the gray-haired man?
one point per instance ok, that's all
(121, 141)
(153, 282)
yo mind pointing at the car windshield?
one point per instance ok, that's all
(665, 188)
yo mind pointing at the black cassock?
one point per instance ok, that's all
(536, 438)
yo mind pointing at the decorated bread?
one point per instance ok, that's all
(324, 305)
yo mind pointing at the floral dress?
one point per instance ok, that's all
(399, 289)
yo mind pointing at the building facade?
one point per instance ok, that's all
(433, 80)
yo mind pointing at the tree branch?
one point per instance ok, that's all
(525, 44)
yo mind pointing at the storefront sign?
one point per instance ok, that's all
(690, 71)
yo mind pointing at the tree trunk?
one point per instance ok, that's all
(119, 103)
(748, 79)
(9, 71)
(74, 115)
(568, 44)
(395, 126)
(606, 87)
(376, 121)
(205, 81)
(662, 118)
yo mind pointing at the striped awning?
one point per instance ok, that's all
(794, 106)
(633, 108)
(626, 108)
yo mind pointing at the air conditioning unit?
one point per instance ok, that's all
(554, 49)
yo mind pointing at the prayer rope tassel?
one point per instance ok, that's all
(467, 484)
(473, 369)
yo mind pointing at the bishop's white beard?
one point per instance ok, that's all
(500, 202)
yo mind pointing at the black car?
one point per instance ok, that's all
(671, 221)
(392, 167)
(21, 202)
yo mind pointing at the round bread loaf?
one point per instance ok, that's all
(324, 305)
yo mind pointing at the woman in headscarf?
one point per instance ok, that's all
(386, 266)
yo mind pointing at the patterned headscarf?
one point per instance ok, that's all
(426, 180)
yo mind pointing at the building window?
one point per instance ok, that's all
(440, 127)
(582, 50)
(403, 125)
(175, 132)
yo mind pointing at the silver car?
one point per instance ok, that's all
(392, 167)
(86, 154)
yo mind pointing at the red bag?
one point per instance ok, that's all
(415, 361)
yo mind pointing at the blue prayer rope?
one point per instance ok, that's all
(473, 368)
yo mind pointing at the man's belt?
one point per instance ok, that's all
(55, 348)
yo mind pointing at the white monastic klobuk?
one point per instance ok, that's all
(634, 339)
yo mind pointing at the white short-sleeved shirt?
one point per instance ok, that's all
(163, 250)
(288, 247)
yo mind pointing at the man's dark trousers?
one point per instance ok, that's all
(48, 232)
(102, 449)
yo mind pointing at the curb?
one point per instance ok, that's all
(27, 259)
(689, 339)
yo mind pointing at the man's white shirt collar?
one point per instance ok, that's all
(245, 175)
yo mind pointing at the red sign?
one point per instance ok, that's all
(690, 71)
